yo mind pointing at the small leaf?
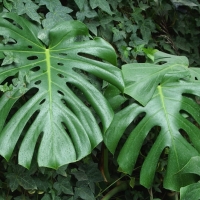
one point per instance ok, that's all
(103, 4)
(7, 39)
(143, 6)
(31, 11)
(80, 3)
(62, 170)
(84, 192)
(146, 28)
(20, 177)
(118, 35)
(46, 197)
(92, 172)
(5, 87)
(9, 58)
(8, 5)
(50, 4)
(27, 7)
(86, 12)
(150, 53)
(80, 175)
(132, 182)
(63, 185)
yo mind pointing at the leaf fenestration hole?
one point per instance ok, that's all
(196, 79)
(161, 62)
(68, 132)
(129, 128)
(38, 82)
(60, 64)
(30, 47)
(61, 76)
(186, 136)
(41, 102)
(60, 93)
(35, 69)
(13, 22)
(63, 54)
(12, 41)
(90, 56)
(32, 58)
(22, 99)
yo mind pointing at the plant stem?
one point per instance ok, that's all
(121, 187)
(151, 194)
(104, 164)
(110, 185)
(173, 196)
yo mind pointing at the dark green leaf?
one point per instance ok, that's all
(92, 172)
(86, 12)
(146, 28)
(31, 10)
(80, 175)
(27, 7)
(46, 197)
(50, 4)
(62, 170)
(103, 4)
(84, 192)
(8, 5)
(63, 185)
(22, 178)
(80, 3)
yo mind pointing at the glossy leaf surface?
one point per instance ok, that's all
(40, 108)
(165, 110)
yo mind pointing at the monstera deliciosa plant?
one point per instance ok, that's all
(51, 108)
(164, 93)
(38, 106)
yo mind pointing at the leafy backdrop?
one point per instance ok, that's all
(51, 67)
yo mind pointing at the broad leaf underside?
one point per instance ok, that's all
(42, 110)
(164, 109)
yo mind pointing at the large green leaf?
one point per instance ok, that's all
(171, 98)
(49, 107)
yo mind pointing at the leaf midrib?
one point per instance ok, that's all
(167, 120)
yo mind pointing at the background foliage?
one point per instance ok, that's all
(133, 28)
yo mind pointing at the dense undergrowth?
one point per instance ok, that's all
(134, 29)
